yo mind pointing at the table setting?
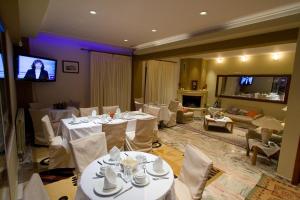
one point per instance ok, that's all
(127, 175)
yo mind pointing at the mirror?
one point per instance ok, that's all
(268, 88)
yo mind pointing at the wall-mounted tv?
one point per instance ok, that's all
(32, 68)
(246, 80)
(1, 67)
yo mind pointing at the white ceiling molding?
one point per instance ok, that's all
(271, 14)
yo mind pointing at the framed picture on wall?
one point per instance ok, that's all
(194, 84)
(70, 66)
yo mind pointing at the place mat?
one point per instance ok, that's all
(273, 189)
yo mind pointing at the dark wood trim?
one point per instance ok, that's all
(259, 40)
(251, 99)
(108, 52)
(167, 61)
(296, 174)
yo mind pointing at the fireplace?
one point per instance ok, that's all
(191, 101)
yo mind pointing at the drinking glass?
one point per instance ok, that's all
(127, 173)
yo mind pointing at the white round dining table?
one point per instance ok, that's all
(155, 190)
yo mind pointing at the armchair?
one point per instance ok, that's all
(184, 115)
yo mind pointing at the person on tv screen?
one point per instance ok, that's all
(37, 71)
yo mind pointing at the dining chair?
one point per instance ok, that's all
(34, 189)
(154, 111)
(36, 115)
(109, 109)
(115, 134)
(58, 154)
(87, 149)
(193, 175)
(142, 138)
(138, 105)
(88, 111)
(173, 107)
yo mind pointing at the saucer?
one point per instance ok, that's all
(152, 172)
(98, 188)
(147, 181)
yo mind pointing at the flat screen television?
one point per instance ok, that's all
(246, 80)
(32, 68)
(1, 67)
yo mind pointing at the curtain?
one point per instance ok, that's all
(161, 81)
(110, 80)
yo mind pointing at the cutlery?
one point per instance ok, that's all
(99, 162)
(123, 192)
(126, 154)
(159, 178)
(120, 175)
(98, 176)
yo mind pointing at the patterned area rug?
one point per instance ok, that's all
(54, 175)
(237, 137)
(271, 189)
(175, 159)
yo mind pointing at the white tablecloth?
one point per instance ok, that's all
(57, 114)
(155, 190)
(76, 131)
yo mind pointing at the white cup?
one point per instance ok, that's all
(140, 177)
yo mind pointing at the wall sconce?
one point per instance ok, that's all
(244, 58)
(220, 60)
(276, 56)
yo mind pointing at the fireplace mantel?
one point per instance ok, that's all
(201, 93)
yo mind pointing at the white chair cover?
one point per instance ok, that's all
(193, 175)
(87, 149)
(88, 111)
(47, 128)
(35, 189)
(173, 107)
(154, 111)
(107, 109)
(138, 105)
(139, 100)
(115, 135)
(142, 139)
(36, 116)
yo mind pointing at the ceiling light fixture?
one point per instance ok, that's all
(154, 30)
(276, 56)
(93, 12)
(220, 60)
(244, 58)
(125, 40)
(203, 13)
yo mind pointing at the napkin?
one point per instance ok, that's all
(110, 179)
(94, 113)
(118, 111)
(74, 118)
(114, 153)
(158, 165)
(140, 110)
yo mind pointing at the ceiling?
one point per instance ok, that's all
(117, 20)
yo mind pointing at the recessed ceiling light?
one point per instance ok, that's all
(244, 58)
(220, 60)
(125, 40)
(276, 56)
(153, 30)
(93, 12)
(203, 13)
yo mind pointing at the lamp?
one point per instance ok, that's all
(268, 125)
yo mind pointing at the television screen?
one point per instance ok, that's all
(1, 66)
(246, 80)
(36, 69)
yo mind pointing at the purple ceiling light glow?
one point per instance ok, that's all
(63, 40)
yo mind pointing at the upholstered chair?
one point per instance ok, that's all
(87, 149)
(34, 189)
(194, 174)
(88, 111)
(40, 137)
(142, 138)
(184, 115)
(115, 135)
(109, 109)
(59, 157)
(173, 107)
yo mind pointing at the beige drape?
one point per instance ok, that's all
(161, 81)
(110, 80)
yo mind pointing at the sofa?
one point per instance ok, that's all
(243, 115)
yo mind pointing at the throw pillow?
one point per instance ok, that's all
(252, 114)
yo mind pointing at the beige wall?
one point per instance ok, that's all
(68, 86)
(291, 131)
(191, 69)
(259, 64)
(12, 158)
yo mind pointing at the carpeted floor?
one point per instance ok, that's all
(237, 137)
(269, 188)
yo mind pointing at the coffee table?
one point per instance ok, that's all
(225, 122)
